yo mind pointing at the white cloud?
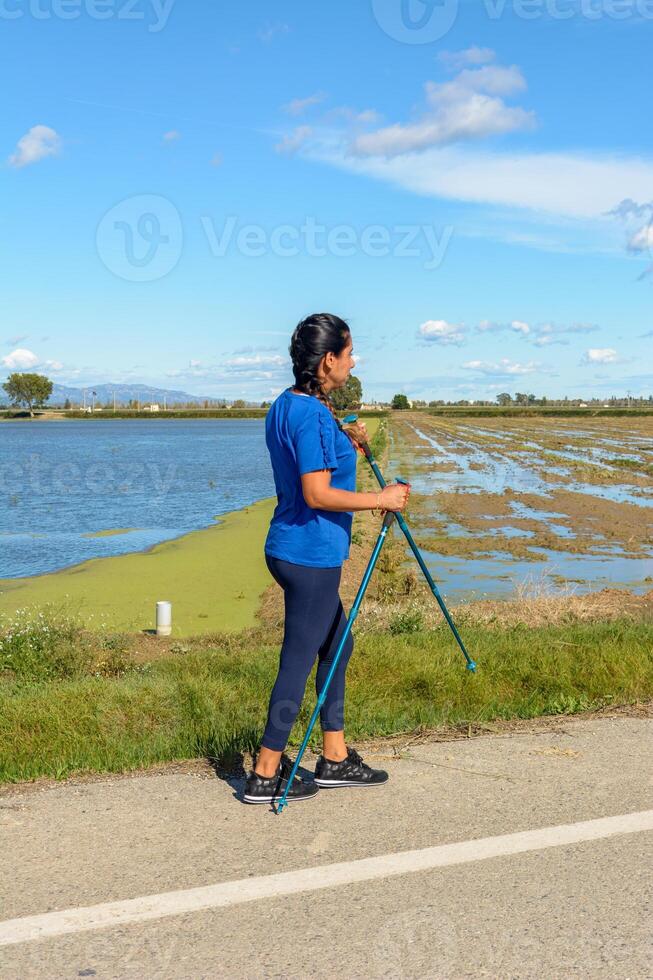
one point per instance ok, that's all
(441, 332)
(563, 184)
(362, 117)
(297, 106)
(470, 56)
(20, 359)
(171, 136)
(642, 239)
(468, 107)
(504, 367)
(600, 355)
(539, 334)
(37, 143)
(293, 142)
(628, 209)
(491, 326)
(253, 368)
(268, 33)
(12, 341)
(554, 333)
(256, 363)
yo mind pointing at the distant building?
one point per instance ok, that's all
(151, 408)
(583, 405)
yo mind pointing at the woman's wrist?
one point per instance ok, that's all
(377, 503)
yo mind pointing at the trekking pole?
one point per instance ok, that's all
(387, 521)
(471, 665)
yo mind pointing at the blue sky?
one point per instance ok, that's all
(469, 184)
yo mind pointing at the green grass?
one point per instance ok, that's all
(101, 710)
(515, 411)
(213, 577)
(632, 464)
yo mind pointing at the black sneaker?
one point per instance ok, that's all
(258, 789)
(352, 771)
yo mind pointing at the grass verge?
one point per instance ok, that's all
(69, 704)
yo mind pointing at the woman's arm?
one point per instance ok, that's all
(320, 495)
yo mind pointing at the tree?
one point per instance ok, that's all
(504, 398)
(521, 398)
(239, 403)
(400, 401)
(67, 404)
(350, 396)
(28, 389)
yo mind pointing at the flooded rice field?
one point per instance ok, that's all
(504, 506)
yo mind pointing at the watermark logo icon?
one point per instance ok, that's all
(141, 238)
(415, 21)
(417, 942)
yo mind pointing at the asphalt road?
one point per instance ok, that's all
(169, 875)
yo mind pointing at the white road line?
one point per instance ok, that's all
(227, 893)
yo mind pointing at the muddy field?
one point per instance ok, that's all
(506, 506)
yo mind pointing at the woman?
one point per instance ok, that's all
(314, 465)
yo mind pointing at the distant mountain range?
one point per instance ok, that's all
(145, 394)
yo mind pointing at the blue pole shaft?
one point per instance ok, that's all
(420, 561)
(427, 575)
(350, 622)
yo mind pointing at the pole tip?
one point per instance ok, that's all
(471, 666)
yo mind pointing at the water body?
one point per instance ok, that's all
(150, 480)
(500, 575)
(482, 471)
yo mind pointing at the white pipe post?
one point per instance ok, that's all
(163, 618)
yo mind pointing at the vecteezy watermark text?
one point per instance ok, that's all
(154, 12)
(317, 240)
(36, 476)
(426, 21)
(141, 239)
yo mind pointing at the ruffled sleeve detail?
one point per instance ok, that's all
(314, 440)
(327, 439)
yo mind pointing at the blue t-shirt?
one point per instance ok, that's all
(302, 436)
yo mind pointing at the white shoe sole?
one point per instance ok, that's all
(325, 783)
(277, 799)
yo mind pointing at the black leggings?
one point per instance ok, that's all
(314, 624)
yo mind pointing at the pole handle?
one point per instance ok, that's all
(351, 420)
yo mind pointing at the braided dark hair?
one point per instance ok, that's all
(312, 338)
